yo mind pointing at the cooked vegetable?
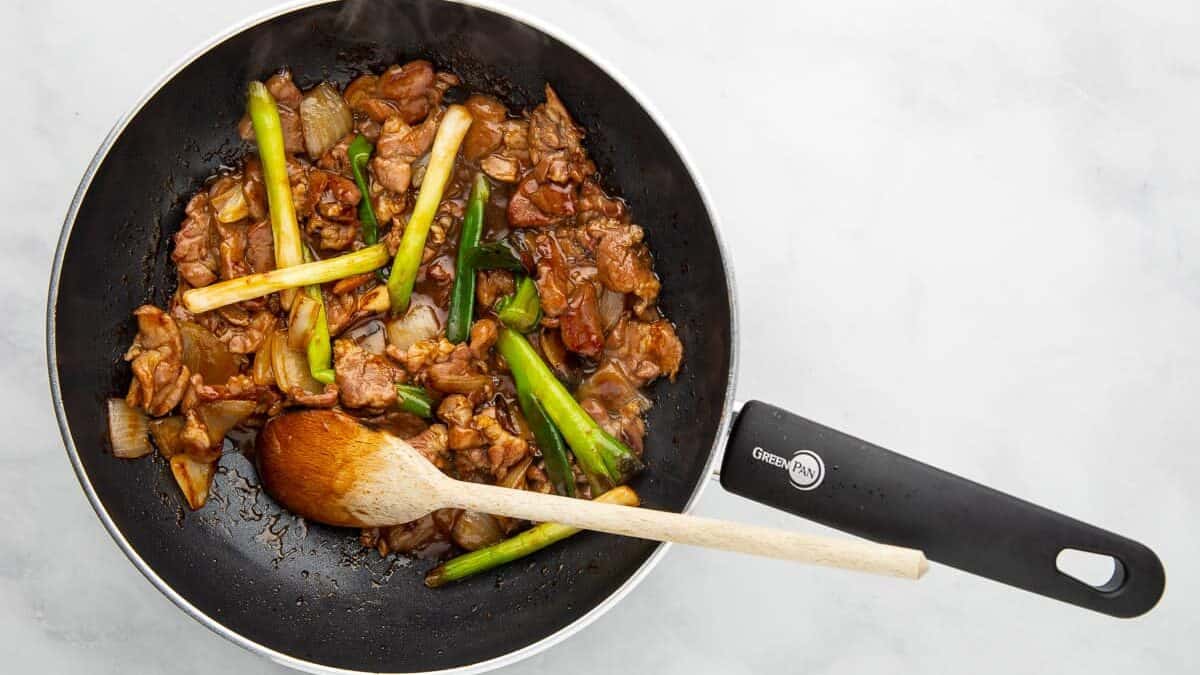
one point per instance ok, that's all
(462, 298)
(263, 371)
(317, 347)
(220, 294)
(519, 546)
(221, 416)
(606, 460)
(291, 366)
(449, 136)
(194, 477)
(165, 432)
(230, 203)
(268, 134)
(415, 400)
(474, 530)
(554, 449)
(496, 255)
(325, 119)
(359, 153)
(419, 323)
(302, 320)
(128, 430)
(522, 310)
(203, 353)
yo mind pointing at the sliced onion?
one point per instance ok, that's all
(420, 322)
(305, 312)
(375, 301)
(264, 370)
(165, 433)
(371, 335)
(554, 352)
(325, 118)
(221, 416)
(194, 478)
(203, 353)
(291, 367)
(474, 530)
(128, 430)
(230, 204)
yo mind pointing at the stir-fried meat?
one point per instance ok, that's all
(504, 449)
(195, 253)
(551, 275)
(445, 367)
(432, 443)
(487, 131)
(623, 262)
(332, 235)
(287, 99)
(555, 143)
(580, 322)
(457, 411)
(253, 188)
(260, 246)
(645, 350)
(411, 87)
(231, 252)
(540, 203)
(337, 159)
(483, 335)
(593, 203)
(491, 285)
(242, 332)
(156, 357)
(366, 380)
(326, 398)
(398, 147)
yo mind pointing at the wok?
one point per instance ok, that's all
(307, 595)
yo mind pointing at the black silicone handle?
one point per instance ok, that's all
(785, 461)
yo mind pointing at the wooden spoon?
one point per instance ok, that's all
(328, 467)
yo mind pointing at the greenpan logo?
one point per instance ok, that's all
(805, 469)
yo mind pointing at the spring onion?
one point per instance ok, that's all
(462, 298)
(268, 134)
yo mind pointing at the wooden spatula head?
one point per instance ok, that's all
(327, 466)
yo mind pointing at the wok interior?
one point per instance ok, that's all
(307, 590)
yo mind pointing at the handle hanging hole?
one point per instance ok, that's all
(1102, 572)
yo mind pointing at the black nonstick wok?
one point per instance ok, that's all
(307, 595)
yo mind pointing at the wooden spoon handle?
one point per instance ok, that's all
(645, 523)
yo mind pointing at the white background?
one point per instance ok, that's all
(970, 232)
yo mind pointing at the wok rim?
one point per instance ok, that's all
(509, 658)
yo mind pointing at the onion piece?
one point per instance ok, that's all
(420, 322)
(128, 430)
(194, 478)
(325, 119)
(205, 354)
(291, 367)
(221, 416)
(474, 530)
(230, 204)
(371, 336)
(165, 432)
(264, 371)
(302, 320)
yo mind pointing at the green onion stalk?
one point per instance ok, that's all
(462, 297)
(319, 349)
(521, 545)
(268, 135)
(220, 294)
(415, 400)
(607, 461)
(449, 136)
(522, 310)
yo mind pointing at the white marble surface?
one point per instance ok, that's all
(969, 233)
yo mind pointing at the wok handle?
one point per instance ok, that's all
(796, 465)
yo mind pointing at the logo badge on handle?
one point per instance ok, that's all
(805, 469)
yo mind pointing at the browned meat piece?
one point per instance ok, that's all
(555, 143)
(242, 332)
(238, 388)
(432, 444)
(457, 412)
(447, 368)
(540, 203)
(156, 356)
(593, 203)
(337, 159)
(331, 235)
(411, 87)
(194, 440)
(501, 168)
(504, 449)
(231, 252)
(287, 99)
(260, 246)
(351, 284)
(326, 398)
(425, 537)
(486, 132)
(195, 253)
(624, 423)
(359, 90)
(580, 322)
(253, 188)
(551, 275)
(484, 333)
(328, 194)
(491, 285)
(645, 350)
(366, 380)
(623, 262)
(399, 146)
